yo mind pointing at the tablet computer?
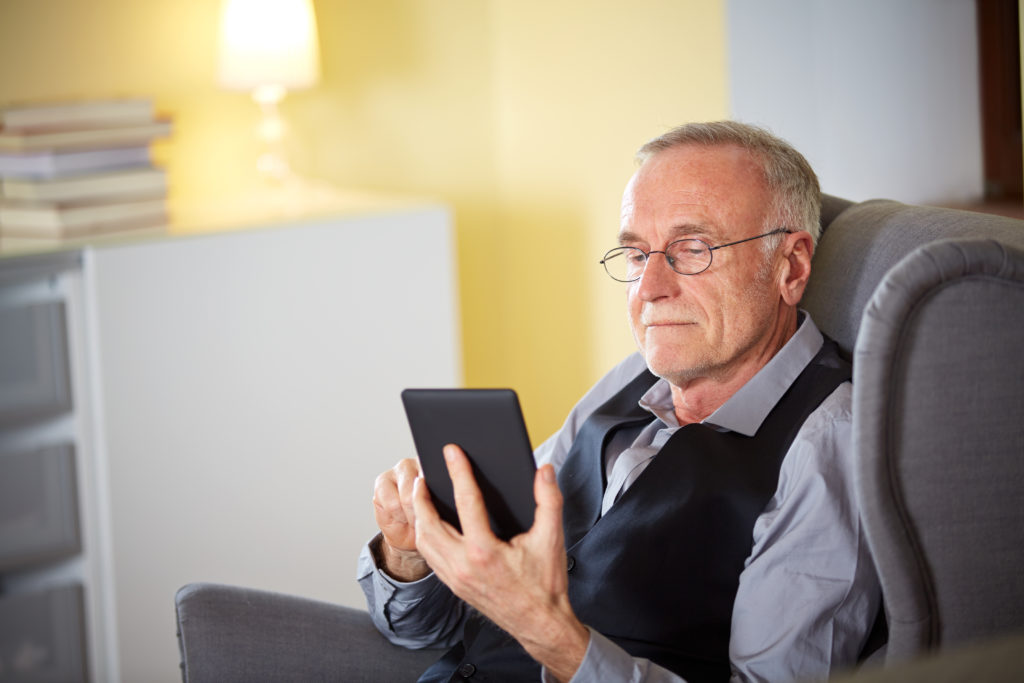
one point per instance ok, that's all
(488, 425)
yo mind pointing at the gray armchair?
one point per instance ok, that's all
(938, 411)
(930, 304)
(230, 634)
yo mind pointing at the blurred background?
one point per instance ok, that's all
(523, 116)
(227, 408)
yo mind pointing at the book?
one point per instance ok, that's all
(78, 138)
(67, 219)
(117, 233)
(90, 186)
(52, 164)
(77, 114)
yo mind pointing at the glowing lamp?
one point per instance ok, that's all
(268, 47)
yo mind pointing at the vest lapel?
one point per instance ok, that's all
(581, 478)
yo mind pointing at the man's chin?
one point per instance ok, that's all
(673, 368)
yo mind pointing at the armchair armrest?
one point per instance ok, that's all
(227, 633)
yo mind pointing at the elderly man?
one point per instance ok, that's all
(695, 514)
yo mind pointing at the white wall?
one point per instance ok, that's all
(251, 392)
(880, 95)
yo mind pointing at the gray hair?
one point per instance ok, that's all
(789, 179)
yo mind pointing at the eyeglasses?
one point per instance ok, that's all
(686, 257)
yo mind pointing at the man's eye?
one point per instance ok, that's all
(635, 256)
(688, 249)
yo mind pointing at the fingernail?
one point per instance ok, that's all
(548, 473)
(449, 453)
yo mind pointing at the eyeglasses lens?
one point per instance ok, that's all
(686, 257)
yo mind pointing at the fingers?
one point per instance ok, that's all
(521, 585)
(443, 546)
(392, 504)
(435, 538)
(547, 527)
(547, 522)
(406, 473)
(469, 501)
(423, 506)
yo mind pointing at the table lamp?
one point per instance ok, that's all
(268, 47)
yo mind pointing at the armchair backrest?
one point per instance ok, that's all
(861, 242)
(931, 304)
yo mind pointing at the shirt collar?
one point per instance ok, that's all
(745, 410)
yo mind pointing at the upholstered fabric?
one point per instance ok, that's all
(996, 660)
(939, 437)
(831, 207)
(228, 634)
(863, 242)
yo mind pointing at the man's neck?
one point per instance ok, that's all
(697, 398)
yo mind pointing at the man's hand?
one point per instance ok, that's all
(522, 585)
(393, 510)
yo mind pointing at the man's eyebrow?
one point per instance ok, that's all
(628, 237)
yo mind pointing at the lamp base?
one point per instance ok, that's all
(274, 168)
(272, 162)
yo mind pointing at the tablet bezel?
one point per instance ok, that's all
(488, 425)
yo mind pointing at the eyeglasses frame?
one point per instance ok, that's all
(711, 250)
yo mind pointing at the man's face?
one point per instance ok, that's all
(719, 322)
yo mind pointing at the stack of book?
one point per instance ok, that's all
(80, 170)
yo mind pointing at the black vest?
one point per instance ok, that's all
(658, 573)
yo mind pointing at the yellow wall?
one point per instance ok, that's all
(522, 115)
(579, 86)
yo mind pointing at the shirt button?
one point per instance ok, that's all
(571, 564)
(467, 670)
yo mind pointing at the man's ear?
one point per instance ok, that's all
(797, 251)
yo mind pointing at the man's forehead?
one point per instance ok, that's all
(667, 204)
(691, 184)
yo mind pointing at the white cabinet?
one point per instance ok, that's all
(233, 396)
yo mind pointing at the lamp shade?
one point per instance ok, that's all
(268, 43)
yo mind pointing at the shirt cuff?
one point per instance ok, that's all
(384, 592)
(603, 661)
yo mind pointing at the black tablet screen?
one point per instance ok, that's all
(488, 425)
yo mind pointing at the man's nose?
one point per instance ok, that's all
(658, 278)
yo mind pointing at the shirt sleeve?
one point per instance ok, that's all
(419, 614)
(808, 594)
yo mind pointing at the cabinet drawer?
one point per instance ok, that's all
(34, 379)
(42, 636)
(38, 507)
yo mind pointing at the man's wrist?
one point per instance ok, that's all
(563, 649)
(402, 565)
